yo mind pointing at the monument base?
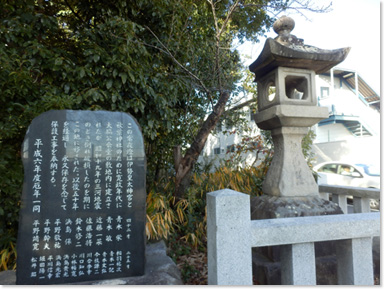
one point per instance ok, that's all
(270, 207)
(266, 260)
(160, 269)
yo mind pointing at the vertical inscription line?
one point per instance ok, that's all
(82, 206)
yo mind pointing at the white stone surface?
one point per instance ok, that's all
(282, 80)
(231, 235)
(314, 229)
(361, 204)
(290, 116)
(298, 264)
(289, 175)
(354, 262)
(228, 238)
(342, 202)
(373, 193)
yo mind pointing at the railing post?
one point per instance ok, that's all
(341, 200)
(228, 238)
(361, 204)
(298, 264)
(355, 261)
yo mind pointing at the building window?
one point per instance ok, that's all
(229, 125)
(230, 148)
(217, 150)
(218, 127)
(324, 92)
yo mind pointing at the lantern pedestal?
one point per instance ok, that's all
(287, 106)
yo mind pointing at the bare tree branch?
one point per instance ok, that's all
(297, 6)
(217, 69)
(240, 106)
(214, 15)
(231, 10)
(168, 52)
(308, 6)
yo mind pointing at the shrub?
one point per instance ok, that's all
(8, 254)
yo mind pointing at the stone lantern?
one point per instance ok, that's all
(287, 106)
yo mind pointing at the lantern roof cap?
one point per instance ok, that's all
(289, 51)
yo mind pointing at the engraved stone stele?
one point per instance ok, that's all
(287, 106)
(82, 215)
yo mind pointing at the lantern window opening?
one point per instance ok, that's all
(296, 87)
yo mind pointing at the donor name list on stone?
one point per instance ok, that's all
(83, 204)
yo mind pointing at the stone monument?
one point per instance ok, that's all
(287, 106)
(83, 211)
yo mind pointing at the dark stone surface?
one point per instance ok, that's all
(326, 270)
(269, 273)
(268, 207)
(275, 54)
(8, 277)
(83, 204)
(159, 270)
(265, 271)
(377, 255)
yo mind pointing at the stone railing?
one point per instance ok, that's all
(361, 196)
(231, 234)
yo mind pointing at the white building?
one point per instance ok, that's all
(351, 133)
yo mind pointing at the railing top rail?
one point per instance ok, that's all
(373, 193)
(271, 232)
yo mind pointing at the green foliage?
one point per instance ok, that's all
(8, 255)
(186, 218)
(54, 56)
(307, 141)
(246, 180)
(184, 223)
(167, 217)
(188, 271)
(153, 59)
(164, 214)
(260, 146)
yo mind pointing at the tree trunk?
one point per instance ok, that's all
(184, 166)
